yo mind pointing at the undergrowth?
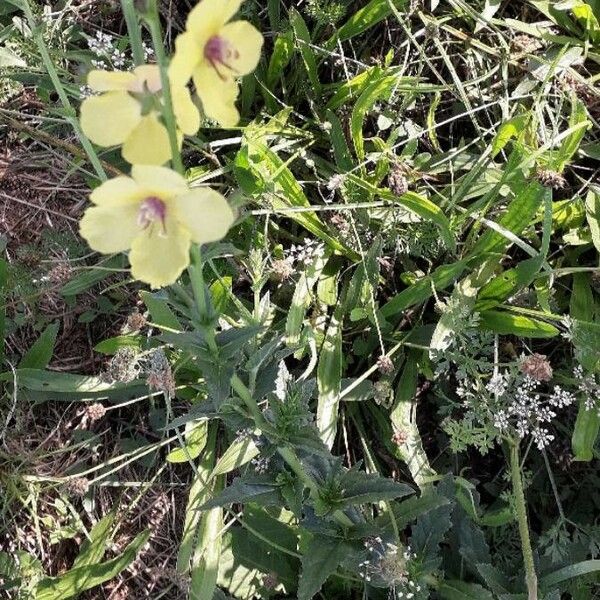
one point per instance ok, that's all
(380, 375)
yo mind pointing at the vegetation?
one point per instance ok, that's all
(300, 300)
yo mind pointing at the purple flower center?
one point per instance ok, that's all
(218, 52)
(152, 209)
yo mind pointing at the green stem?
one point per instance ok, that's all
(153, 20)
(134, 31)
(195, 272)
(521, 510)
(287, 453)
(71, 117)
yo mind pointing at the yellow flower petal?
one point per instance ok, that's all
(159, 181)
(188, 53)
(109, 229)
(117, 191)
(210, 15)
(248, 42)
(158, 257)
(148, 143)
(186, 112)
(109, 119)
(147, 77)
(218, 95)
(106, 81)
(205, 213)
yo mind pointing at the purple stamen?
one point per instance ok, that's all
(219, 51)
(152, 209)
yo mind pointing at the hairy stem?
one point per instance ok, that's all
(521, 509)
(153, 20)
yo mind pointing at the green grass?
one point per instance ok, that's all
(418, 202)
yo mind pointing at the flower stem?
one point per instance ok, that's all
(133, 29)
(521, 510)
(195, 272)
(286, 452)
(153, 20)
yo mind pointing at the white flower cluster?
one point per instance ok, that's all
(107, 53)
(304, 253)
(390, 565)
(589, 387)
(528, 411)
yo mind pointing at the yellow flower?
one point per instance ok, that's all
(215, 52)
(156, 215)
(128, 112)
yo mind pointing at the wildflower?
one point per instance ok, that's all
(538, 367)
(127, 111)
(549, 178)
(95, 412)
(214, 52)
(385, 364)
(497, 385)
(282, 269)
(156, 215)
(397, 181)
(78, 486)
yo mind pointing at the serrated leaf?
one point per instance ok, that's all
(242, 490)
(320, 559)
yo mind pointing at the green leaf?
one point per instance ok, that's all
(40, 353)
(93, 275)
(360, 488)
(10, 59)
(459, 590)
(205, 561)
(517, 217)
(373, 92)
(329, 379)
(112, 345)
(302, 298)
(577, 570)
(263, 175)
(320, 559)
(363, 19)
(80, 579)
(160, 312)
(571, 143)
(506, 323)
(69, 387)
(200, 491)
(585, 432)
(243, 490)
(421, 291)
(283, 50)
(592, 208)
(303, 42)
(238, 454)
(507, 131)
(93, 550)
(196, 435)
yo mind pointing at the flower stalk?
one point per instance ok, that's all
(521, 510)
(153, 20)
